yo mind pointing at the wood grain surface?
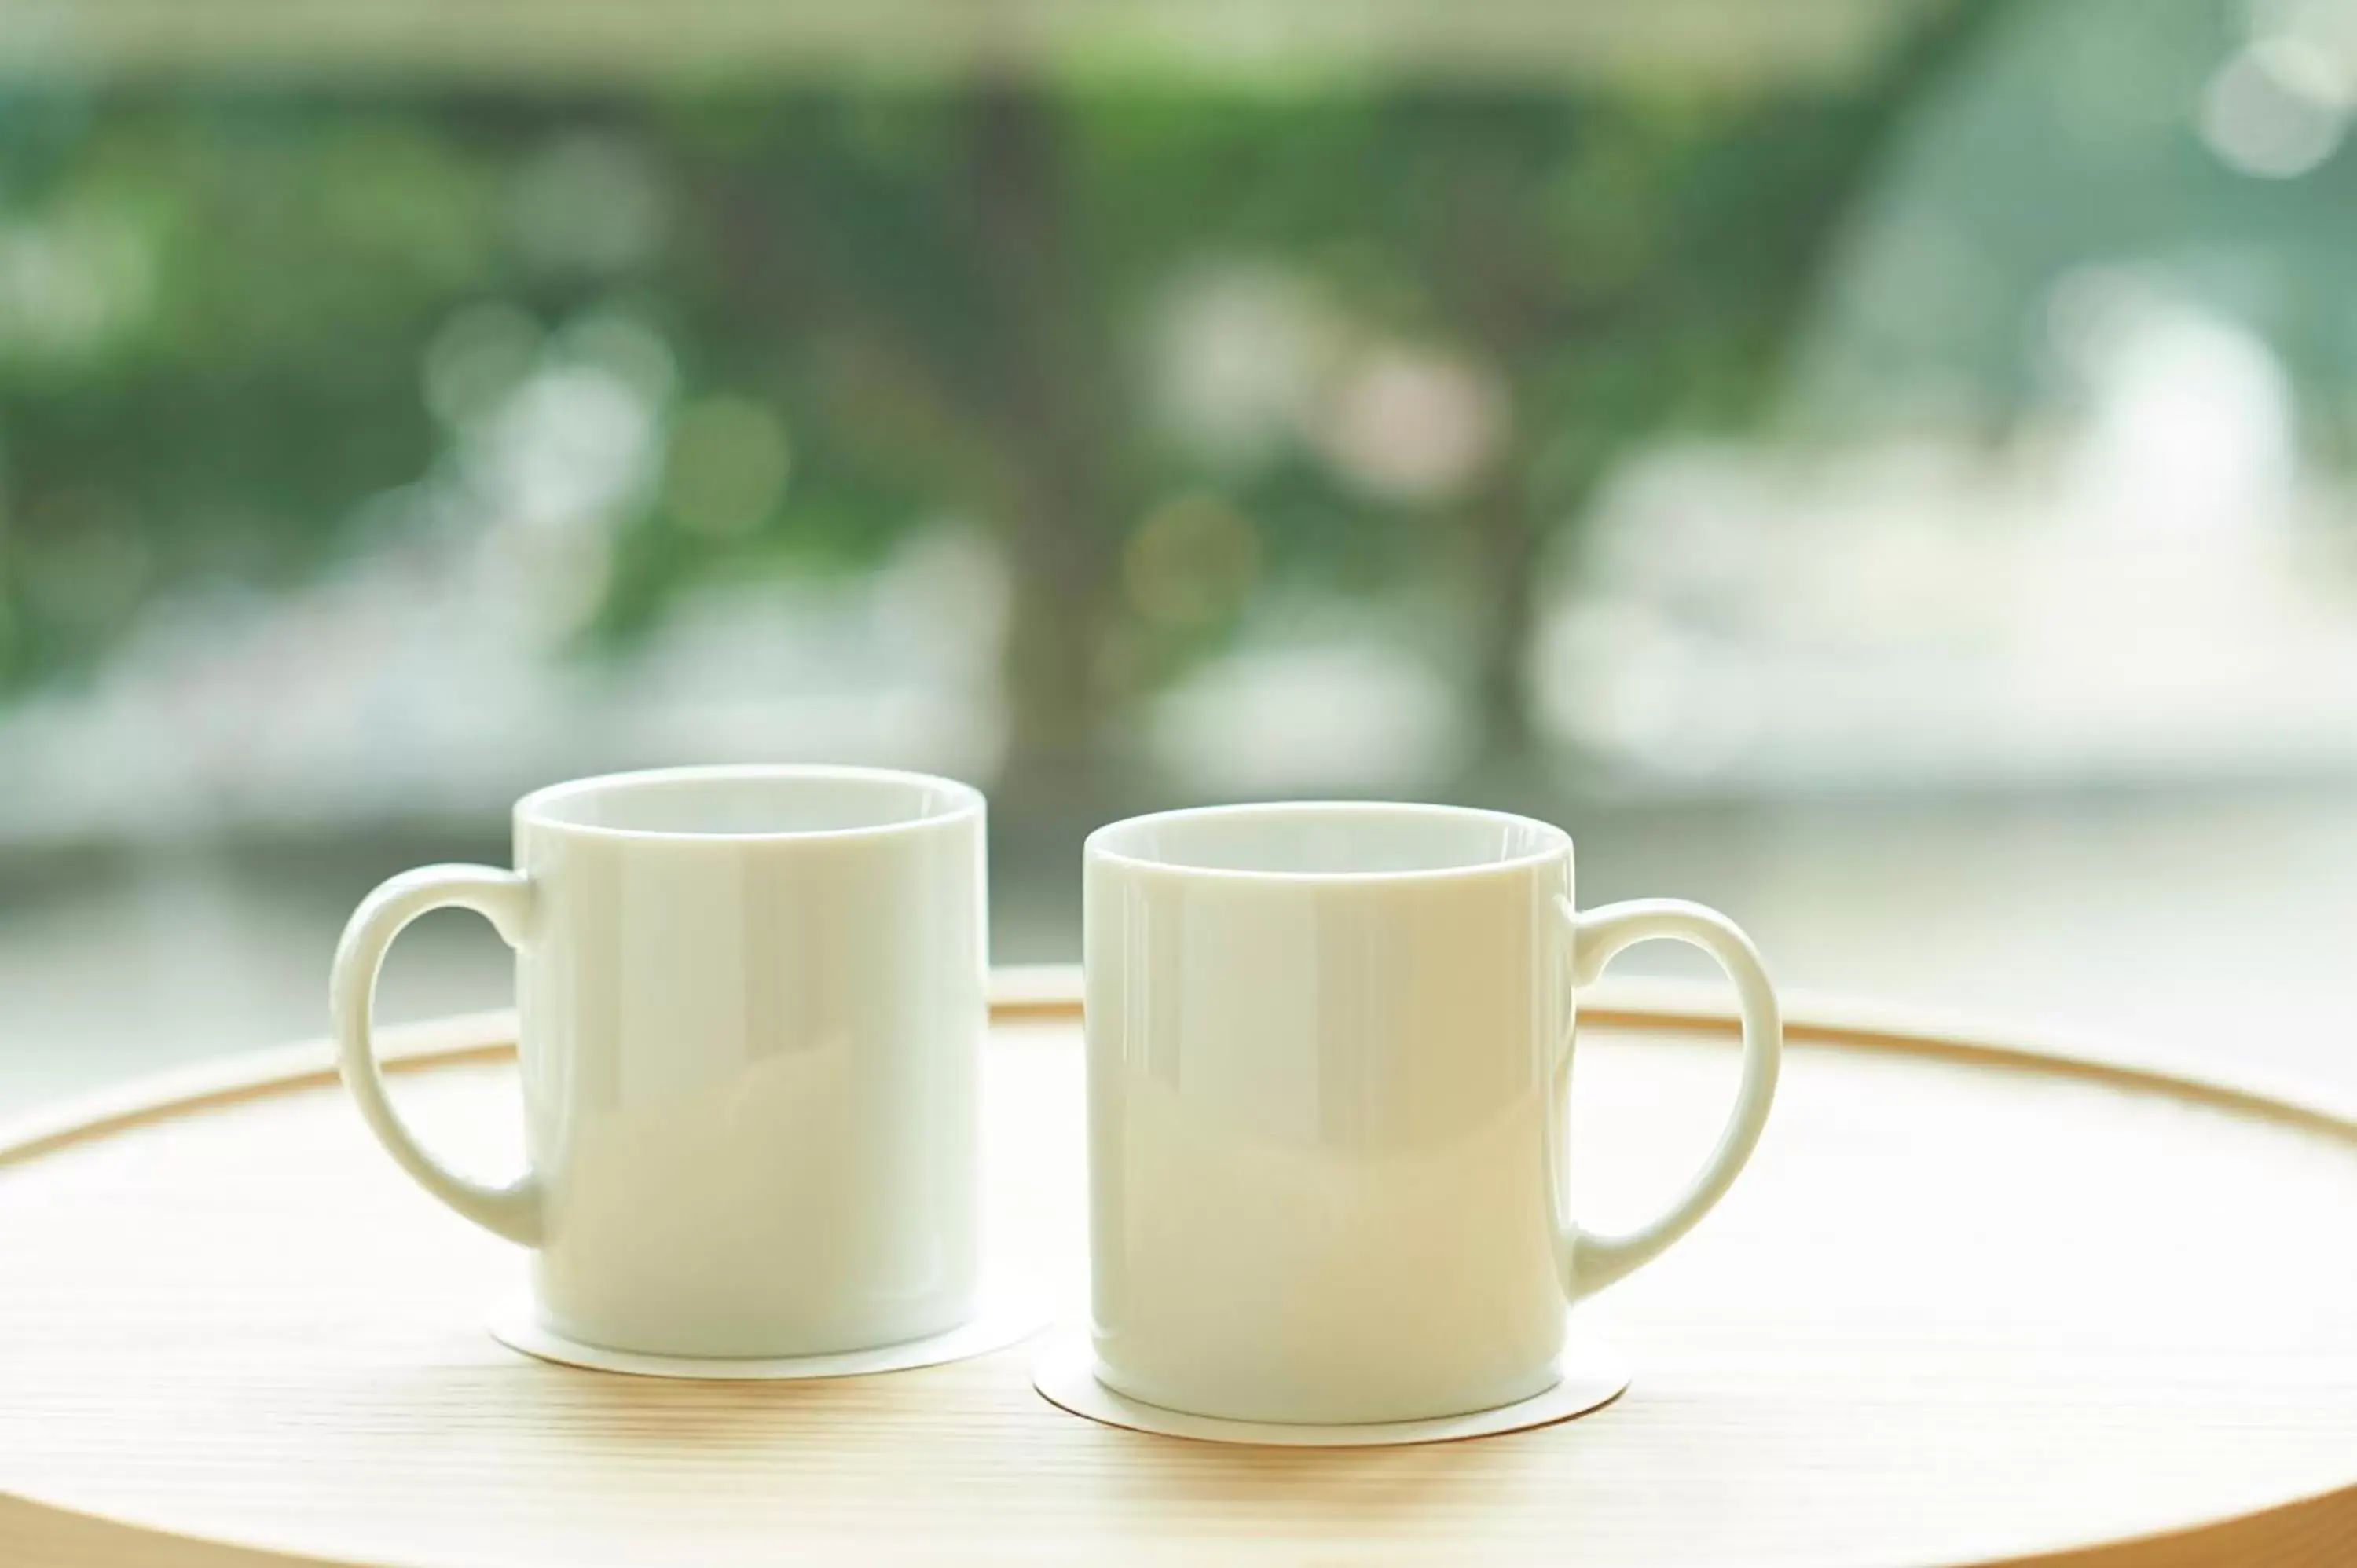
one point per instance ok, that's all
(1973, 1303)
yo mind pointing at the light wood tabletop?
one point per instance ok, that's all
(1975, 1302)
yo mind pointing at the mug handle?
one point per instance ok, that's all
(1591, 1261)
(502, 898)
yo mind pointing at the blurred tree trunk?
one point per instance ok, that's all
(1053, 421)
(1510, 530)
(1505, 568)
(1013, 379)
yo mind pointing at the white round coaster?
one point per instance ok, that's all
(1006, 1316)
(1066, 1374)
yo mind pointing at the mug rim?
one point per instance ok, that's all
(533, 809)
(1555, 843)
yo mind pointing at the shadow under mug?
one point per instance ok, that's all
(1328, 1048)
(750, 1004)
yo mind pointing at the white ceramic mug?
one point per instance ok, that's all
(750, 1008)
(1328, 1048)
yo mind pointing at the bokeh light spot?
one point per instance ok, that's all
(621, 345)
(481, 355)
(1192, 561)
(2277, 109)
(1413, 426)
(589, 202)
(728, 467)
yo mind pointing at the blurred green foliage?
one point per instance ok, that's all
(2087, 142)
(229, 321)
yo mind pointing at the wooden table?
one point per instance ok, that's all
(1973, 1303)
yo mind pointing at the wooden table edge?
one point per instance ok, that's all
(2316, 1528)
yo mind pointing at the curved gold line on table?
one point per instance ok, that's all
(2319, 1527)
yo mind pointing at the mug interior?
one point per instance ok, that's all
(1330, 839)
(738, 802)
